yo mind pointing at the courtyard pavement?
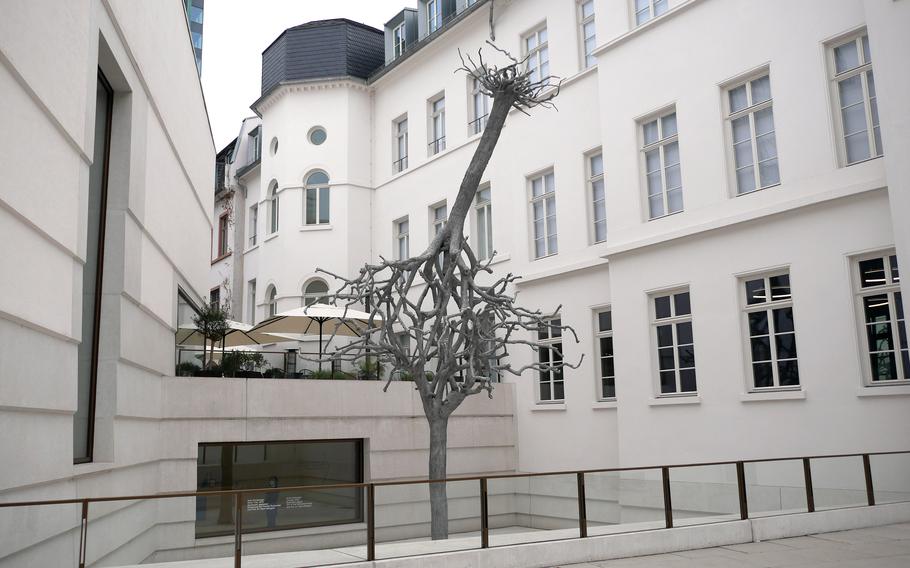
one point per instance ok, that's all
(879, 547)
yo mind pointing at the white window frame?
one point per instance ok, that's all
(768, 306)
(864, 71)
(271, 301)
(588, 59)
(538, 56)
(437, 222)
(652, 9)
(483, 228)
(402, 237)
(546, 345)
(599, 334)
(274, 209)
(310, 298)
(254, 224)
(544, 199)
(672, 321)
(322, 192)
(749, 112)
(400, 144)
(255, 145)
(434, 16)
(891, 289)
(399, 41)
(251, 293)
(596, 205)
(660, 145)
(436, 124)
(479, 101)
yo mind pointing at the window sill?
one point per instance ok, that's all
(674, 400)
(270, 237)
(222, 257)
(548, 406)
(604, 405)
(322, 227)
(252, 248)
(758, 396)
(885, 390)
(665, 215)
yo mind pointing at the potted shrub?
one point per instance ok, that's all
(370, 369)
(187, 369)
(211, 322)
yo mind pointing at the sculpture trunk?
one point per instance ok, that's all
(439, 504)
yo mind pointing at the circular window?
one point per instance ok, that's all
(273, 146)
(317, 135)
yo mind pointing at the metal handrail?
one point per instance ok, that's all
(484, 508)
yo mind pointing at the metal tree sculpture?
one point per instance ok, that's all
(458, 329)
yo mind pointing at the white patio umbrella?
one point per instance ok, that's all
(239, 334)
(323, 319)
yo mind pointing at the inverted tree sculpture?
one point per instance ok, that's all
(458, 330)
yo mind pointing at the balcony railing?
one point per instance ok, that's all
(400, 165)
(674, 495)
(477, 125)
(437, 146)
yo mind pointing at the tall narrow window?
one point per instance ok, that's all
(92, 276)
(550, 380)
(672, 324)
(438, 216)
(884, 326)
(648, 9)
(271, 299)
(273, 208)
(750, 121)
(402, 238)
(434, 16)
(543, 209)
(398, 40)
(215, 296)
(437, 125)
(483, 211)
(480, 107)
(538, 53)
(254, 224)
(854, 86)
(317, 199)
(316, 292)
(768, 313)
(663, 177)
(222, 235)
(598, 196)
(255, 144)
(606, 370)
(400, 159)
(587, 33)
(251, 293)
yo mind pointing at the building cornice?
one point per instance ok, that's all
(281, 89)
(643, 28)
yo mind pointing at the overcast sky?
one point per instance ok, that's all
(236, 31)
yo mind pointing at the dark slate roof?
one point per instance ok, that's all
(322, 49)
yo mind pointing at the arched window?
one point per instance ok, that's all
(316, 204)
(271, 298)
(316, 292)
(273, 207)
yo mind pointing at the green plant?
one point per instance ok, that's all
(187, 369)
(211, 322)
(370, 368)
(234, 361)
(274, 372)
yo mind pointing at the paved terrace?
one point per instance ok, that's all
(878, 547)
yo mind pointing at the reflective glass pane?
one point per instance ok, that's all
(674, 200)
(883, 366)
(686, 355)
(786, 345)
(655, 206)
(872, 271)
(761, 348)
(763, 375)
(667, 382)
(783, 319)
(664, 335)
(687, 380)
(605, 321)
(788, 372)
(780, 287)
(758, 323)
(665, 358)
(742, 154)
(851, 91)
(846, 57)
(649, 131)
(768, 172)
(738, 99)
(703, 494)
(310, 206)
(774, 488)
(742, 130)
(879, 337)
(761, 89)
(838, 482)
(764, 121)
(684, 332)
(755, 291)
(681, 304)
(668, 125)
(767, 146)
(889, 477)
(745, 179)
(597, 165)
(323, 205)
(662, 306)
(876, 308)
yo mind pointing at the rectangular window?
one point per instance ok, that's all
(215, 296)
(598, 196)
(438, 216)
(434, 16)
(398, 41)
(317, 205)
(884, 327)
(93, 275)
(768, 314)
(483, 212)
(549, 353)
(750, 126)
(480, 107)
(437, 125)
(543, 209)
(222, 235)
(672, 323)
(604, 336)
(272, 466)
(254, 224)
(251, 292)
(587, 33)
(850, 69)
(255, 147)
(402, 238)
(663, 176)
(537, 50)
(646, 10)
(400, 160)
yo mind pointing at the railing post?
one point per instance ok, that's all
(371, 522)
(810, 494)
(741, 485)
(668, 503)
(484, 515)
(867, 471)
(83, 533)
(238, 528)
(582, 506)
